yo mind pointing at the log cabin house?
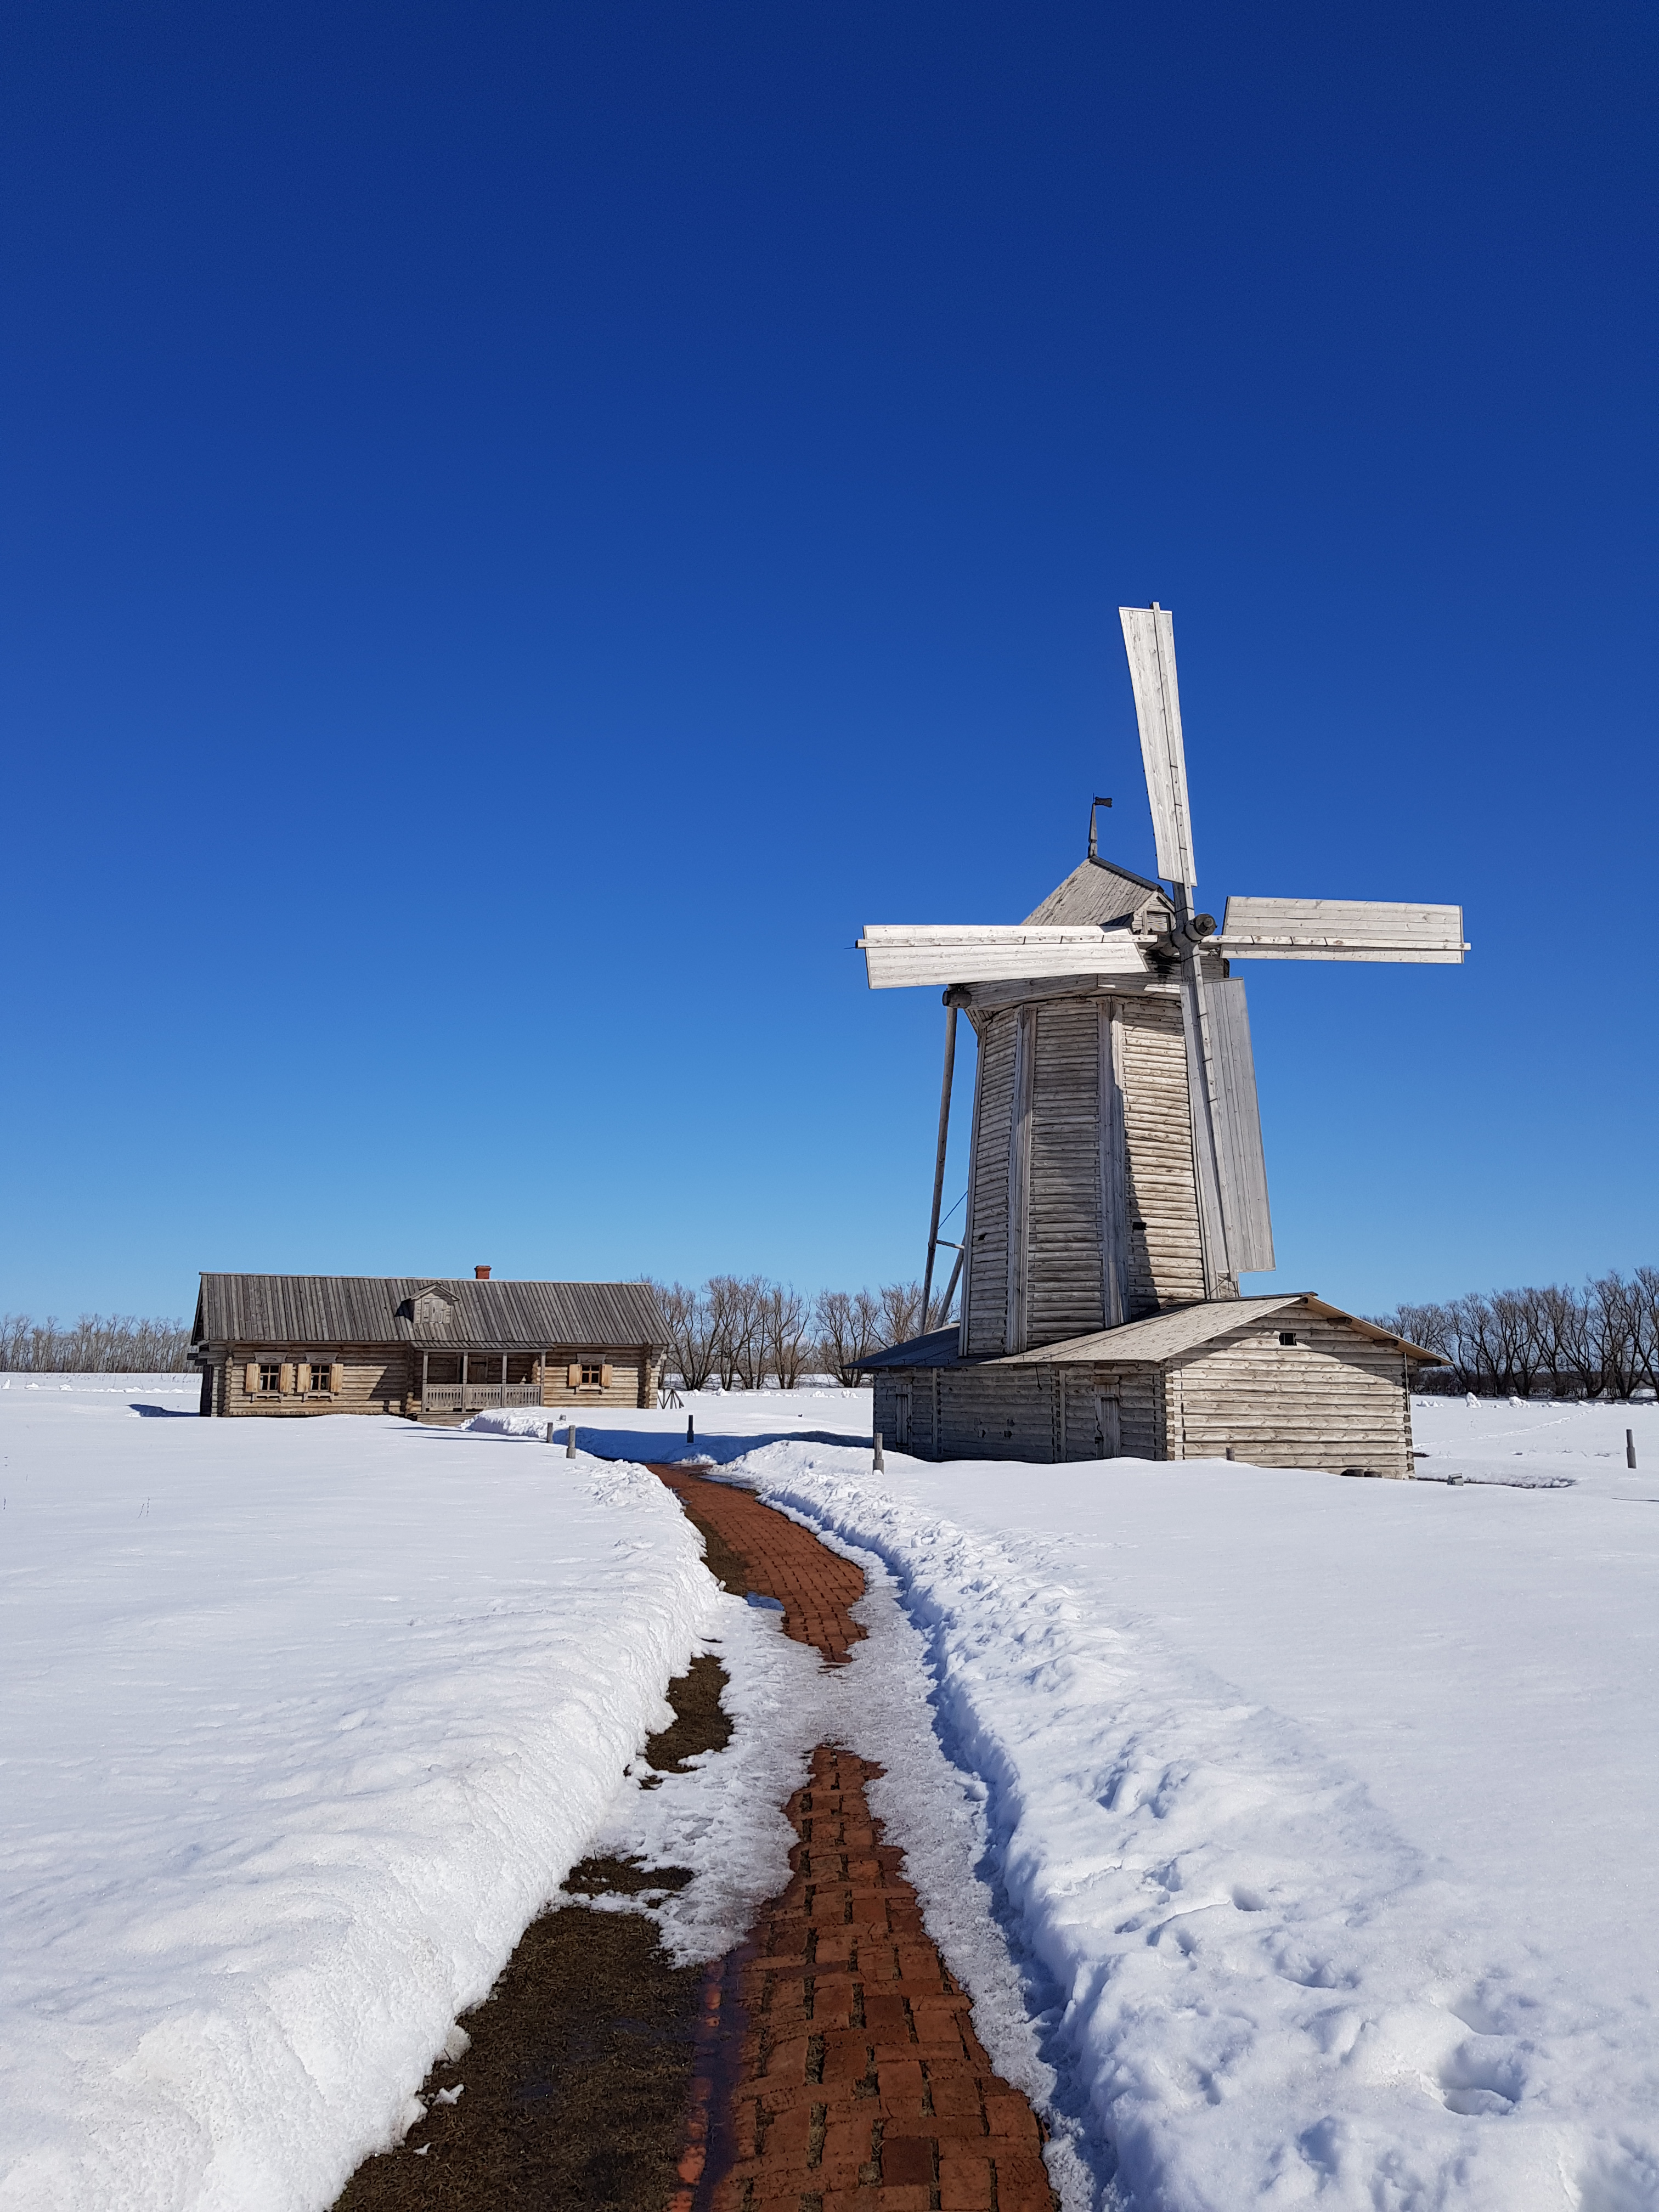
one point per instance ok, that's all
(1284, 1381)
(428, 1348)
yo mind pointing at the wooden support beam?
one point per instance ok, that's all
(938, 1163)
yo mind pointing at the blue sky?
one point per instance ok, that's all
(526, 526)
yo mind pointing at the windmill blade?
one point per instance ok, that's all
(1237, 1119)
(898, 956)
(1339, 929)
(1149, 641)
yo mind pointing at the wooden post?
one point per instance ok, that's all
(691, 1428)
(426, 1359)
(503, 1382)
(1630, 1449)
(879, 1464)
(938, 1163)
(570, 1440)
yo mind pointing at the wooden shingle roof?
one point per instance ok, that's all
(325, 1311)
(1158, 1337)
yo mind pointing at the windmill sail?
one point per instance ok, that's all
(1149, 641)
(1339, 929)
(897, 956)
(1236, 1118)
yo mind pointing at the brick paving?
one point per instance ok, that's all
(837, 2068)
(815, 1586)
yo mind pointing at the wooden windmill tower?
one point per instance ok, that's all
(1115, 1166)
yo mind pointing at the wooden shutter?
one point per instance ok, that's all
(575, 1375)
(336, 1378)
(303, 1383)
(285, 1379)
(605, 1375)
(251, 1378)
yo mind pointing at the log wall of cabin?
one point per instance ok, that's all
(375, 1380)
(386, 1378)
(1165, 1251)
(1334, 1399)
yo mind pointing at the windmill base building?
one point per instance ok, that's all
(1117, 1183)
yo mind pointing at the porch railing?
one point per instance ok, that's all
(477, 1397)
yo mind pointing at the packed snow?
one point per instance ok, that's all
(304, 1720)
(1297, 1835)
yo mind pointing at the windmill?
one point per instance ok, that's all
(1115, 1164)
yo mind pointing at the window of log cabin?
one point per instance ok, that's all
(592, 1374)
(320, 1366)
(271, 1377)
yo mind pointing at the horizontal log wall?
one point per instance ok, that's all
(386, 1378)
(1038, 1413)
(1334, 1399)
(376, 1381)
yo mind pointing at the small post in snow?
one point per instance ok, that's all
(571, 1441)
(879, 1465)
(549, 1432)
(691, 1428)
(1629, 1448)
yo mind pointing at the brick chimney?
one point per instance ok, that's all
(482, 1274)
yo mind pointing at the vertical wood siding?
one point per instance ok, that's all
(1166, 1256)
(987, 1310)
(1063, 1294)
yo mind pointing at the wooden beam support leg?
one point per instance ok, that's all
(939, 1165)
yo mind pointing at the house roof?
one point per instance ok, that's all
(1159, 1337)
(322, 1311)
(1095, 891)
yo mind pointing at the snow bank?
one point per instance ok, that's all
(1322, 1814)
(304, 1720)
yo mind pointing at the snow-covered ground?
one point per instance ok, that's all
(302, 1722)
(1320, 1814)
(1324, 1813)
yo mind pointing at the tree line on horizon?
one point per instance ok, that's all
(98, 1344)
(1556, 1341)
(741, 1331)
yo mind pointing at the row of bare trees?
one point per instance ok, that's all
(98, 1344)
(1602, 1340)
(741, 1331)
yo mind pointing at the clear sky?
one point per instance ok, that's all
(525, 527)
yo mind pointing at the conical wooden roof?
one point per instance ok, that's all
(1095, 891)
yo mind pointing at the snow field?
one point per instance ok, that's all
(305, 1721)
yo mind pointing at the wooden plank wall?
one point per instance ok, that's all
(1166, 1254)
(375, 1381)
(1040, 1413)
(988, 1280)
(386, 1379)
(1063, 1273)
(1334, 1400)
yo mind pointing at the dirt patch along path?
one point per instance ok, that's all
(572, 2089)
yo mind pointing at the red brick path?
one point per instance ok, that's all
(815, 1585)
(837, 2068)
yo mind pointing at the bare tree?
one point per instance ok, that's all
(900, 1312)
(691, 1332)
(784, 1315)
(849, 1329)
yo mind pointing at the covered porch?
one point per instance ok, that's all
(455, 1383)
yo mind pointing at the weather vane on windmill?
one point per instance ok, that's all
(1116, 1181)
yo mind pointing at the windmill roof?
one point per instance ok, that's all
(1183, 1328)
(1160, 1336)
(496, 1315)
(1095, 891)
